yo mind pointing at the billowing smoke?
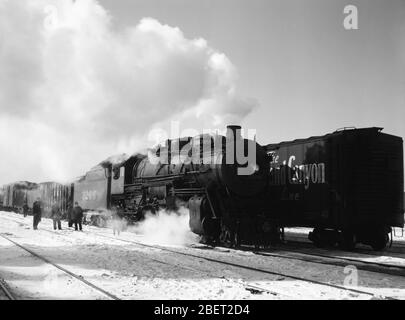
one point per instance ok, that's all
(75, 89)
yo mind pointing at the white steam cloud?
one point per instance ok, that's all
(74, 89)
(166, 228)
(163, 227)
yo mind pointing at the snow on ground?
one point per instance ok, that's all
(131, 271)
(37, 278)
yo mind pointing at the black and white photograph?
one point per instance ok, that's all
(221, 151)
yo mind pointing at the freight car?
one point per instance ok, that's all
(1, 197)
(19, 193)
(347, 185)
(15, 195)
(51, 193)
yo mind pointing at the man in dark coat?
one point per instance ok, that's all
(56, 216)
(37, 212)
(78, 216)
(25, 209)
(70, 215)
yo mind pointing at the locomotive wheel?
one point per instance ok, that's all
(380, 242)
(226, 237)
(316, 237)
(348, 240)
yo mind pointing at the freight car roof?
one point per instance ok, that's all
(273, 146)
(22, 184)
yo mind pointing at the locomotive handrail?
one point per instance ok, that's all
(345, 128)
(158, 178)
(189, 190)
(209, 201)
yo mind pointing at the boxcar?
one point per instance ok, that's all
(347, 185)
(15, 194)
(52, 193)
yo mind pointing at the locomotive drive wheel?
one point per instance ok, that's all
(348, 240)
(380, 242)
(226, 237)
(316, 237)
(323, 237)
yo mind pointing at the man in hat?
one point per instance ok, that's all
(37, 213)
(77, 216)
(56, 216)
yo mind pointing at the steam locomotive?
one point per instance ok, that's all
(193, 172)
(347, 185)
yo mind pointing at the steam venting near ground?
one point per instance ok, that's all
(166, 228)
(75, 88)
(162, 228)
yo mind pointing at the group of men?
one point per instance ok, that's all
(74, 215)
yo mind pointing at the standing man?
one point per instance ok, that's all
(70, 215)
(78, 216)
(37, 212)
(56, 216)
(25, 209)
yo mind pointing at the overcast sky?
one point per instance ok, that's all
(80, 81)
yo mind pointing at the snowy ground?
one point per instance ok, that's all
(131, 271)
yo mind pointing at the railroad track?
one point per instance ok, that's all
(371, 266)
(7, 292)
(249, 287)
(387, 252)
(397, 271)
(70, 273)
(360, 264)
(241, 266)
(396, 250)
